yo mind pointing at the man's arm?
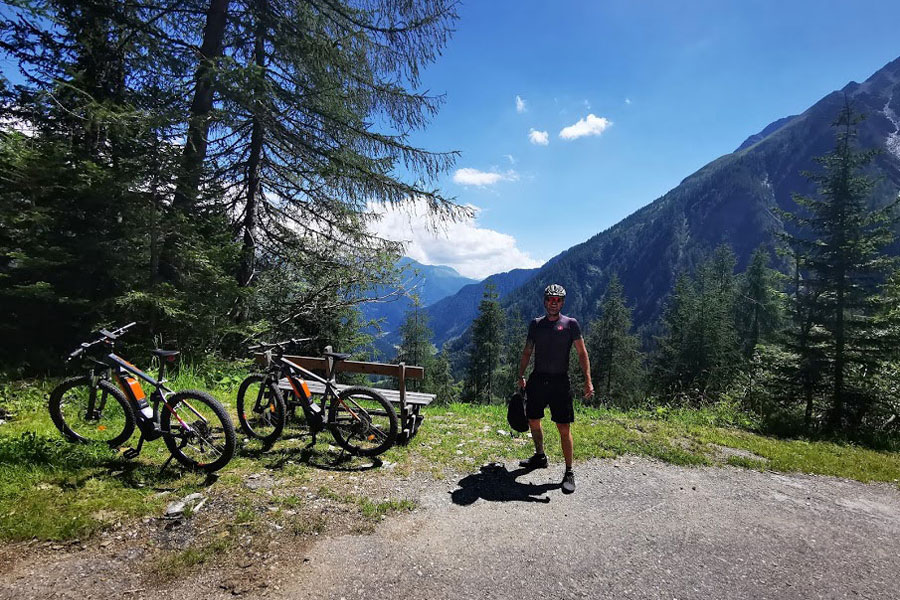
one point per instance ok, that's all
(585, 367)
(523, 362)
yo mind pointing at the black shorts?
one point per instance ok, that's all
(554, 391)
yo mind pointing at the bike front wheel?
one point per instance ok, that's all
(84, 412)
(362, 421)
(198, 431)
(260, 409)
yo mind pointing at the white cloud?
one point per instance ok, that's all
(627, 100)
(520, 105)
(468, 176)
(590, 125)
(587, 105)
(510, 158)
(473, 251)
(541, 138)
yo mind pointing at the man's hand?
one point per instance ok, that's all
(588, 390)
(521, 382)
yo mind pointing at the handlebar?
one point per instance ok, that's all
(106, 336)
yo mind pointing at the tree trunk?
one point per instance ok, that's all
(198, 122)
(254, 180)
(187, 185)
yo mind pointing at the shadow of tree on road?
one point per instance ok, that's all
(497, 484)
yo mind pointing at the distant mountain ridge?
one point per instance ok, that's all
(766, 132)
(430, 283)
(451, 316)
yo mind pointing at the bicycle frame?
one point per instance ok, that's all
(149, 426)
(290, 370)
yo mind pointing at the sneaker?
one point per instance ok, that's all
(568, 482)
(538, 461)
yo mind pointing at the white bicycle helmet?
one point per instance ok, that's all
(554, 289)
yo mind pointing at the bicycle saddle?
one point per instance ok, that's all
(165, 353)
(338, 355)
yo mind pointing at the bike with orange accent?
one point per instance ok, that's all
(360, 419)
(106, 404)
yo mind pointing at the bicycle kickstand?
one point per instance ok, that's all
(171, 456)
(166, 464)
(132, 453)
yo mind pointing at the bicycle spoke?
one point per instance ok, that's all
(363, 422)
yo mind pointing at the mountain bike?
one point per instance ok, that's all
(360, 419)
(108, 402)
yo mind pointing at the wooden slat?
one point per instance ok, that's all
(319, 364)
(418, 398)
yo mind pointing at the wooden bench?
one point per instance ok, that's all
(409, 404)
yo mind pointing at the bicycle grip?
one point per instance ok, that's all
(79, 351)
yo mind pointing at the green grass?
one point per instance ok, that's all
(172, 565)
(747, 463)
(53, 490)
(682, 437)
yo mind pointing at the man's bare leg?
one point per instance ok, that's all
(539, 460)
(565, 439)
(537, 435)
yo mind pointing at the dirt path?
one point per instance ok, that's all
(634, 529)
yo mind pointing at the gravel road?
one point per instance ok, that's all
(635, 528)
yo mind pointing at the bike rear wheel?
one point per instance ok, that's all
(87, 413)
(198, 431)
(260, 409)
(362, 421)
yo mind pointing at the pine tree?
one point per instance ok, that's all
(439, 379)
(486, 349)
(698, 355)
(759, 303)
(318, 100)
(614, 351)
(415, 345)
(82, 186)
(840, 241)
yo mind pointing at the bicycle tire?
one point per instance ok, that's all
(373, 429)
(211, 434)
(265, 416)
(111, 424)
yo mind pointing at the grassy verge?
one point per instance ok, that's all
(53, 490)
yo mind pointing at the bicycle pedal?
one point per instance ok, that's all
(130, 453)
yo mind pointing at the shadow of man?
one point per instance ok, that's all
(497, 484)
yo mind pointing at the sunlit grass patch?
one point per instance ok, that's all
(54, 490)
(747, 463)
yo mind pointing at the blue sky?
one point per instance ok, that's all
(671, 86)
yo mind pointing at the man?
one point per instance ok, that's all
(551, 338)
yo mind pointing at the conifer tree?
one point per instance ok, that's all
(614, 350)
(759, 304)
(486, 348)
(840, 240)
(698, 355)
(415, 345)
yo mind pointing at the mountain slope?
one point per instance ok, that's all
(451, 316)
(731, 200)
(430, 283)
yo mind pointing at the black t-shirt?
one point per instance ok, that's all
(552, 343)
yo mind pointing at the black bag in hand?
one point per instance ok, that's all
(515, 412)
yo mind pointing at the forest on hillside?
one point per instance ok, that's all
(207, 169)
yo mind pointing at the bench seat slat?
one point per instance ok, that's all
(417, 398)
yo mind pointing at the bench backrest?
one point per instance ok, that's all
(325, 365)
